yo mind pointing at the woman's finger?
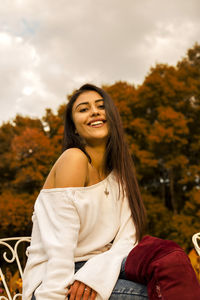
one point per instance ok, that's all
(69, 290)
(80, 291)
(93, 295)
(87, 292)
(73, 290)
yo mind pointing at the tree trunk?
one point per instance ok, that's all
(171, 187)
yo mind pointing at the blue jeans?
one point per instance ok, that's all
(124, 289)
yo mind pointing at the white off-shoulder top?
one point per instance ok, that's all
(78, 224)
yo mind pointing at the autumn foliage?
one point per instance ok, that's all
(161, 119)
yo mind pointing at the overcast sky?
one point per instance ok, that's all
(48, 48)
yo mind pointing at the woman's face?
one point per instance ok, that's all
(89, 116)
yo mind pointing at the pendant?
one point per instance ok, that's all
(106, 192)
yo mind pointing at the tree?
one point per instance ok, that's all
(7, 173)
(15, 214)
(186, 223)
(166, 141)
(54, 128)
(159, 217)
(33, 154)
(189, 74)
(122, 94)
(20, 123)
(166, 131)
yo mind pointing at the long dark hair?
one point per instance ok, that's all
(117, 156)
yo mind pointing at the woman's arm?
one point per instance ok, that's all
(59, 224)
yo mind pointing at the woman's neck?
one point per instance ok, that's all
(97, 155)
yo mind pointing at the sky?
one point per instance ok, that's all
(49, 48)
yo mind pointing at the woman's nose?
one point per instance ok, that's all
(94, 111)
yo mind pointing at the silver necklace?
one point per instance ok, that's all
(106, 191)
(105, 183)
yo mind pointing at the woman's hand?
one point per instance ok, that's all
(79, 291)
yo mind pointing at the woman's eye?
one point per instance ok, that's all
(102, 106)
(83, 109)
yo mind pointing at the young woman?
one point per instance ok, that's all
(89, 214)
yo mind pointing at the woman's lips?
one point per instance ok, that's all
(96, 123)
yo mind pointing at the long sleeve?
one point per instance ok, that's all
(35, 266)
(58, 224)
(101, 271)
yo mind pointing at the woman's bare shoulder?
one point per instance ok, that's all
(73, 153)
(70, 170)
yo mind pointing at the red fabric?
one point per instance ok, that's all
(164, 267)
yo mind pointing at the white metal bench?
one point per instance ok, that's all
(10, 254)
(196, 242)
(11, 251)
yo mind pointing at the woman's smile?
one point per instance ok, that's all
(97, 123)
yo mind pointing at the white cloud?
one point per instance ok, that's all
(167, 45)
(49, 47)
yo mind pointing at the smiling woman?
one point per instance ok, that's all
(89, 214)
